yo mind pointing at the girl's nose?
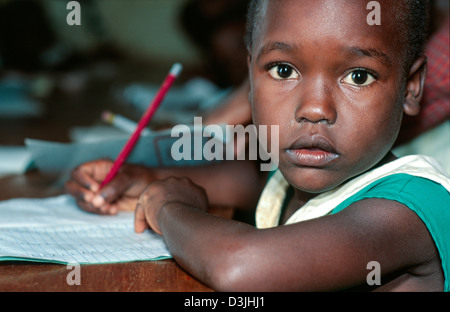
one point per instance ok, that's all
(315, 103)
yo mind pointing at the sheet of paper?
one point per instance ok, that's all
(153, 150)
(14, 159)
(55, 230)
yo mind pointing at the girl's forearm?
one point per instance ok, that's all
(201, 243)
(236, 184)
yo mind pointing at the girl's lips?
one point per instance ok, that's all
(311, 157)
(312, 151)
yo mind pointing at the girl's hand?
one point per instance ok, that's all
(179, 191)
(121, 193)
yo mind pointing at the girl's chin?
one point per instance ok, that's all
(311, 182)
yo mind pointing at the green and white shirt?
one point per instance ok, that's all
(418, 182)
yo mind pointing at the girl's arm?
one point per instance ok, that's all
(328, 253)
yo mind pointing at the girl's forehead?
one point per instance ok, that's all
(349, 20)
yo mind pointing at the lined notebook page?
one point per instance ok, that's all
(55, 230)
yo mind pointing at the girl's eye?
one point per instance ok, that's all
(283, 71)
(359, 78)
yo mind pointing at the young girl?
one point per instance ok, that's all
(337, 87)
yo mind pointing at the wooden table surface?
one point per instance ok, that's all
(160, 275)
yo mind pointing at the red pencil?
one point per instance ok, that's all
(173, 74)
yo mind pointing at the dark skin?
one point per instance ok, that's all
(334, 125)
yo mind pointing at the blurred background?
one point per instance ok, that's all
(114, 60)
(57, 79)
(36, 34)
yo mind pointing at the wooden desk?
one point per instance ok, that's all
(161, 275)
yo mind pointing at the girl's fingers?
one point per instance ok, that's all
(140, 222)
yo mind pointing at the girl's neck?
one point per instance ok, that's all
(300, 197)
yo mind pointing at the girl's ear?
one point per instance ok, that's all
(414, 86)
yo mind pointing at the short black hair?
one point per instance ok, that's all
(414, 15)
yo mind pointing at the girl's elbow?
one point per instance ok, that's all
(231, 272)
(228, 277)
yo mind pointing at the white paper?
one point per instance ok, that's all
(153, 150)
(14, 159)
(55, 230)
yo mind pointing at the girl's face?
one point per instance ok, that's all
(333, 84)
